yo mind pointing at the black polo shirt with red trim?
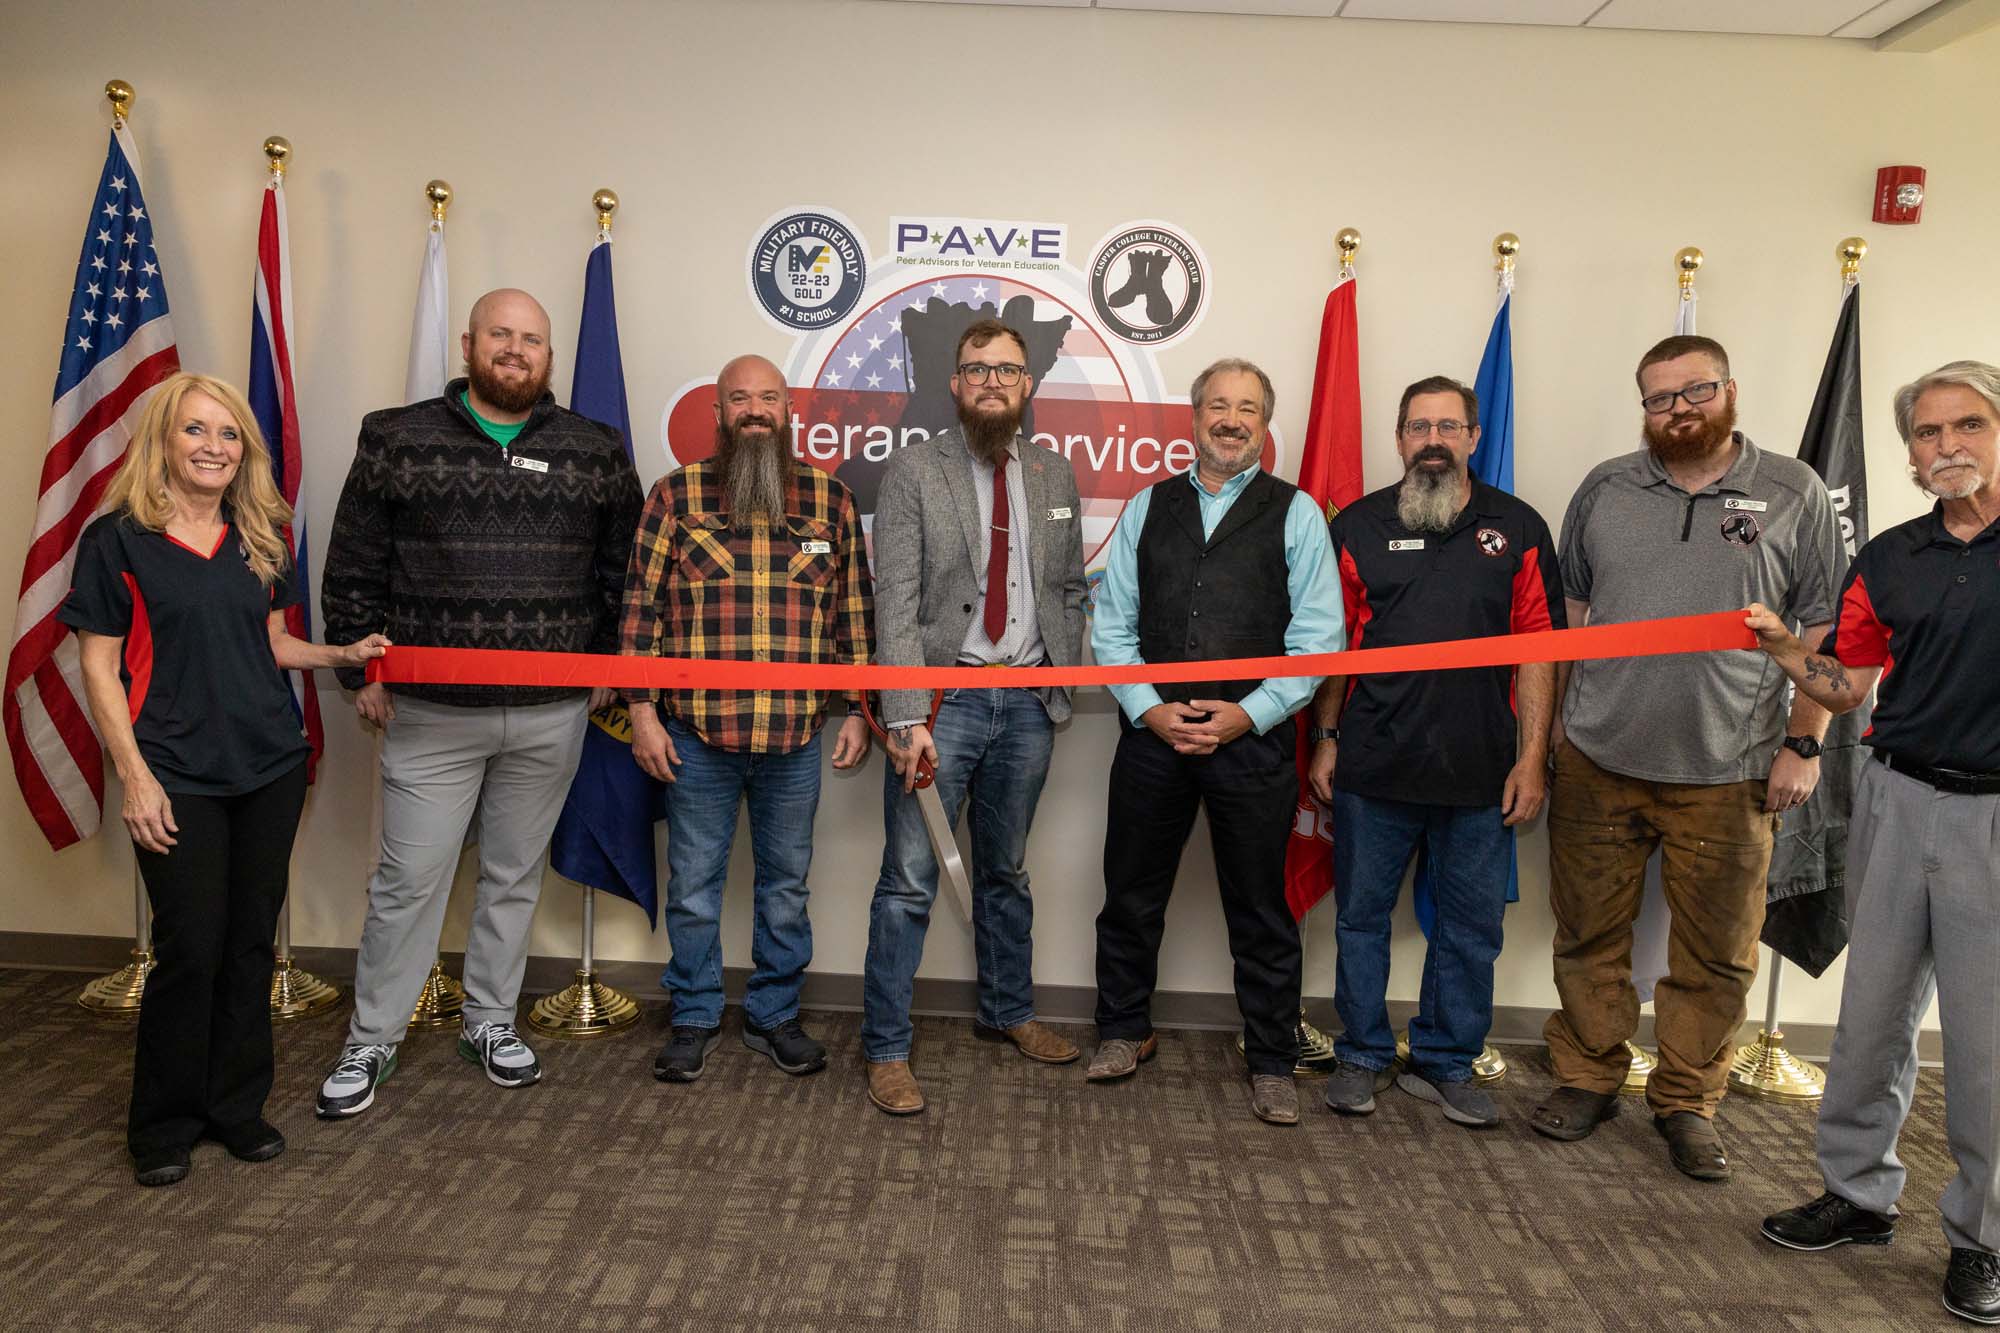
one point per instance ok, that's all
(209, 706)
(1925, 607)
(1438, 737)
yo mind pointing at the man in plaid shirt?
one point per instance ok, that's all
(749, 556)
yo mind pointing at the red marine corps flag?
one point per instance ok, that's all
(1330, 472)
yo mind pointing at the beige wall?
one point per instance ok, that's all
(1604, 150)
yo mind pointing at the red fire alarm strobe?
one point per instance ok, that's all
(1899, 194)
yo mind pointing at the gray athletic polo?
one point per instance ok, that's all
(1636, 547)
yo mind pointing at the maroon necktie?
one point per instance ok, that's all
(996, 556)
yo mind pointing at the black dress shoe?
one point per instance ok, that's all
(161, 1168)
(254, 1141)
(1972, 1285)
(1826, 1222)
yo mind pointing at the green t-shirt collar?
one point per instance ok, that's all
(501, 433)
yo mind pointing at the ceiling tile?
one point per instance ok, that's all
(1564, 13)
(1294, 8)
(1878, 19)
(1803, 18)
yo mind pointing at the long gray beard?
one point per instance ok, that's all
(754, 474)
(1429, 503)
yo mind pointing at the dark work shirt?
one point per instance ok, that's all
(210, 708)
(1925, 607)
(1438, 737)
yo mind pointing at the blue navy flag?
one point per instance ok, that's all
(604, 836)
(1493, 463)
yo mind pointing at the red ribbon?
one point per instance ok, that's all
(485, 666)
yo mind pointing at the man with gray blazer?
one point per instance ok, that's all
(978, 562)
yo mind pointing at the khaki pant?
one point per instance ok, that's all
(1716, 842)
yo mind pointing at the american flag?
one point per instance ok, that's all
(118, 344)
(277, 412)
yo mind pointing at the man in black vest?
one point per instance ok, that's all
(1225, 562)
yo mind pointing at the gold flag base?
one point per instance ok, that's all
(441, 1002)
(1488, 1068)
(118, 995)
(297, 993)
(1316, 1057)
(1766, 1069)
(587, 1009)
(1643, 1065)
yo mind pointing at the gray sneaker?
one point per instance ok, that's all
(1462, 1103)
(1350, 1089)
(350, 1088)
(498, 1048)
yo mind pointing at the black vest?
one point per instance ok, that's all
(1229, 596)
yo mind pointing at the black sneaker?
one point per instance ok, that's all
(256, 1141)
(1826, 1222)
(1972, 1285)
(685, 1055)
(788, 1046)
(1350, 1089)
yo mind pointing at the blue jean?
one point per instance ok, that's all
(783, 791)
(1468, 847)
(993, 754)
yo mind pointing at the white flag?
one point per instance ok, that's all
(430, 327)
(1684, 316)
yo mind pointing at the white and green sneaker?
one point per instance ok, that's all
(501, 1052)
(350, 1088)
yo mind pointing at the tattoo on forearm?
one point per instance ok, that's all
(1830, 670)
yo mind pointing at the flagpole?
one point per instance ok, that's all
(587, 1007)
(1765, 1068)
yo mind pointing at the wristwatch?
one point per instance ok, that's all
(1318, 734)
(1805, 747)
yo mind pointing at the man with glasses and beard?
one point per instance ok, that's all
(1691, 753)
(1224, 562)
(748, 556)
(1431, 759)
(1926, 840)
(487, 518)
(978, 562)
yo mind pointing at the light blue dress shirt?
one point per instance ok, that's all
(1318, 622)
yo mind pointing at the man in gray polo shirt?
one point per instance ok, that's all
(1691, 752)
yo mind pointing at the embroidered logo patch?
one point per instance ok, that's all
(1492, 541)
(1741, 528)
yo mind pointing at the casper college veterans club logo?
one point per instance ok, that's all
(871, 362)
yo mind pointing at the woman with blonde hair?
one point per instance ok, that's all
(178, 603)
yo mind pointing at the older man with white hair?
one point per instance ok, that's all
(1920, 616)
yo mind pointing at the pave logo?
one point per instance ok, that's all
(807, 269)
(877, 378)
(1741, 528)
(1492, 541)
(1148, 283)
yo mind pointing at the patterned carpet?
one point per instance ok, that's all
(1023, 1199)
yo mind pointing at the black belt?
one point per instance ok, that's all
(1954, 780)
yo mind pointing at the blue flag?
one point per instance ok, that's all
(1493, 463)
(604, 836)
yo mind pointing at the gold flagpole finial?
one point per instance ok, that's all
(120, 93)
(1347, 240)
(278, 150)
(439, 193)
(1851, 251)
(1505, 247)
(1687, 259)
(605, 201)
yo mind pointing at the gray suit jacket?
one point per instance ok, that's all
(930, 547)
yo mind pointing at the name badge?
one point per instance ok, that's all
(1737, 502)
(532, 464)
(816, 548)
(1055, 514)
(1409, 544)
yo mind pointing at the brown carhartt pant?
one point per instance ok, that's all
(1716, 842)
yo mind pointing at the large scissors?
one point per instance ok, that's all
(943, 842)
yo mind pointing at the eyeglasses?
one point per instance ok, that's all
(1966, 428)
(1659, 404)
(1446, 429)
(975, 372)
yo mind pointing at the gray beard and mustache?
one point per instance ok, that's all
(755, 468)
(1216, 451)
(1430, 501)
(1952, 478)
(989, 434)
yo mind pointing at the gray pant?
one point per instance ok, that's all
(441, 764)
(1925, 876)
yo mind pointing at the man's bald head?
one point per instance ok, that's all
(509, 306)
(507, 353)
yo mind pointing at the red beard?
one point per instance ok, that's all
(1670, 446)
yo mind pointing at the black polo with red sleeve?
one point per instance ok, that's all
(1438, 737)
(210, 709)
(1925, 607)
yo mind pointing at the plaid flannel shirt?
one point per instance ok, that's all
(701, 585)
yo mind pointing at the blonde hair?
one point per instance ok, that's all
(258, 511)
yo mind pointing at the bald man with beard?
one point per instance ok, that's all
(748, 556)
(485, 518)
